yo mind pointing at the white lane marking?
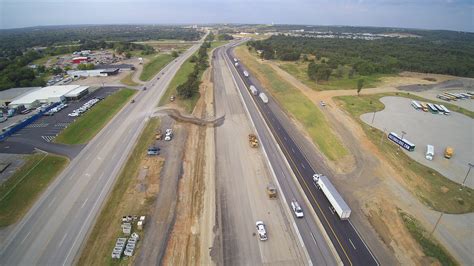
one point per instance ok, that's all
(363, 242)
(314, 239)
(330, 209)
(64, 238)
(352, 243)
(51, 202)
(285, 138)
(293, 150)
(302, 165)
(27, 235)
(84, 203)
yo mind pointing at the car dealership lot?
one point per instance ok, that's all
(41, 133)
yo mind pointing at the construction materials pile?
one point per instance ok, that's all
(126, 245)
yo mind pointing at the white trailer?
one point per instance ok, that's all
(264, 97)
(253, 90)
(246, 73)
(337, 202)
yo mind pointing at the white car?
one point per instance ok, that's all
(297, 209)
(262, 232)
(169, 131)
(168, 137)
(73, 114)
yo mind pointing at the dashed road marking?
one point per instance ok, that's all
(352, 243)
(61, 124)
(48, 138)
(36, 125)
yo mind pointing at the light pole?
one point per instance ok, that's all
(373, 117)
(467, 174)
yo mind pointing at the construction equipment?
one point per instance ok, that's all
(271, 191)
(448, 152)
(253, 141)
(158, 135)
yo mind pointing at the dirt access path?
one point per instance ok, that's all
(138, 71)
(192, 234)
(375, 184)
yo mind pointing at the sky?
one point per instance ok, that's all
(424, 14)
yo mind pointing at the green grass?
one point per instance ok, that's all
(43, 60)
(102, 238)
(88, 125)
(186, 68)
(433, 189)
(154, 66)
(20, 191)
(127, 80)
(298, 105)
(215, 44)
(298, 69)
(430, 246)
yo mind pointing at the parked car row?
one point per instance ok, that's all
(86, 106)
(56, 109)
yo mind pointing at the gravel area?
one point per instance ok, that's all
(422, 128)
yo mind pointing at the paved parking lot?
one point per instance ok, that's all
(423, 128)
(41, 133)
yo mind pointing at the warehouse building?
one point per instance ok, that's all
(50, 94)
(93, 73)
(7, 96)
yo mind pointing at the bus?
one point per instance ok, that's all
(416, 105)
(432, 109)
(441, 110)
(446, 111)
(401, 142)
(424, 107)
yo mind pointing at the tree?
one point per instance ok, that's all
(360, 84)
(128, 55)
(339, 71)
(174, 54)
(193, 59)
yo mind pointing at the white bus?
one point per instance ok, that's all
(446, 111)
(416, 105)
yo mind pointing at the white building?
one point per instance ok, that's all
(49, 95)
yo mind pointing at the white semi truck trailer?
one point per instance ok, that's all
(337, 202)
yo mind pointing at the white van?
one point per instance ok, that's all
(429, 152)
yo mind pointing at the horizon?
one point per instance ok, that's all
(453, 15)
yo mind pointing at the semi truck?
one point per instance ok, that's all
(246, 73)
(264, 97)
(253, 90)
(337, 202)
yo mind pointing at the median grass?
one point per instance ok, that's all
(124, 199)
(154, 66)
(21, 190)
(297, 105)
(430, 187)
(430, 246)
(88, 125)
(127, 80)
(298, 69)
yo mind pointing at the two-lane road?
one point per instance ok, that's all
(53, 230)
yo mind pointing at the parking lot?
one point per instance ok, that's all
(423, 128)
(41, 133)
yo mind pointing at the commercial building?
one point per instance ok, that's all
(119, 66)
(7, 96)
(80, 59)
(49, 95)
(93, 73)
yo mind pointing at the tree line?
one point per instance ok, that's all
(190, 87)
(453, 56)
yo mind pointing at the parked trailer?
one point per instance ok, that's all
(246, 73)
(253, 90)
(416, 105)
(264, 97)
(402, 142)
(432, 108)
(337, 202)
(441, 110)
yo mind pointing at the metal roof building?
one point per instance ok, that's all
(47, 95)
(9, 95)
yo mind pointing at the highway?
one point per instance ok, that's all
(309, 233)
(52, 232)
(345, 239)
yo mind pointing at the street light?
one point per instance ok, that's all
(467, 174)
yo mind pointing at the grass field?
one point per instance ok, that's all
(154, 66)
(88, 125)
(22, 189)
(103, 236)
(127, 80)
(43, 60)
(430, 246)
(432, 188)
(298, 69)
(298, 105)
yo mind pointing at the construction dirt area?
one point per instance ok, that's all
(376, 189)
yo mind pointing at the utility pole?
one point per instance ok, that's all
(467, 174)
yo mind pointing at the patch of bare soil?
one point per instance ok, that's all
(189, 233)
